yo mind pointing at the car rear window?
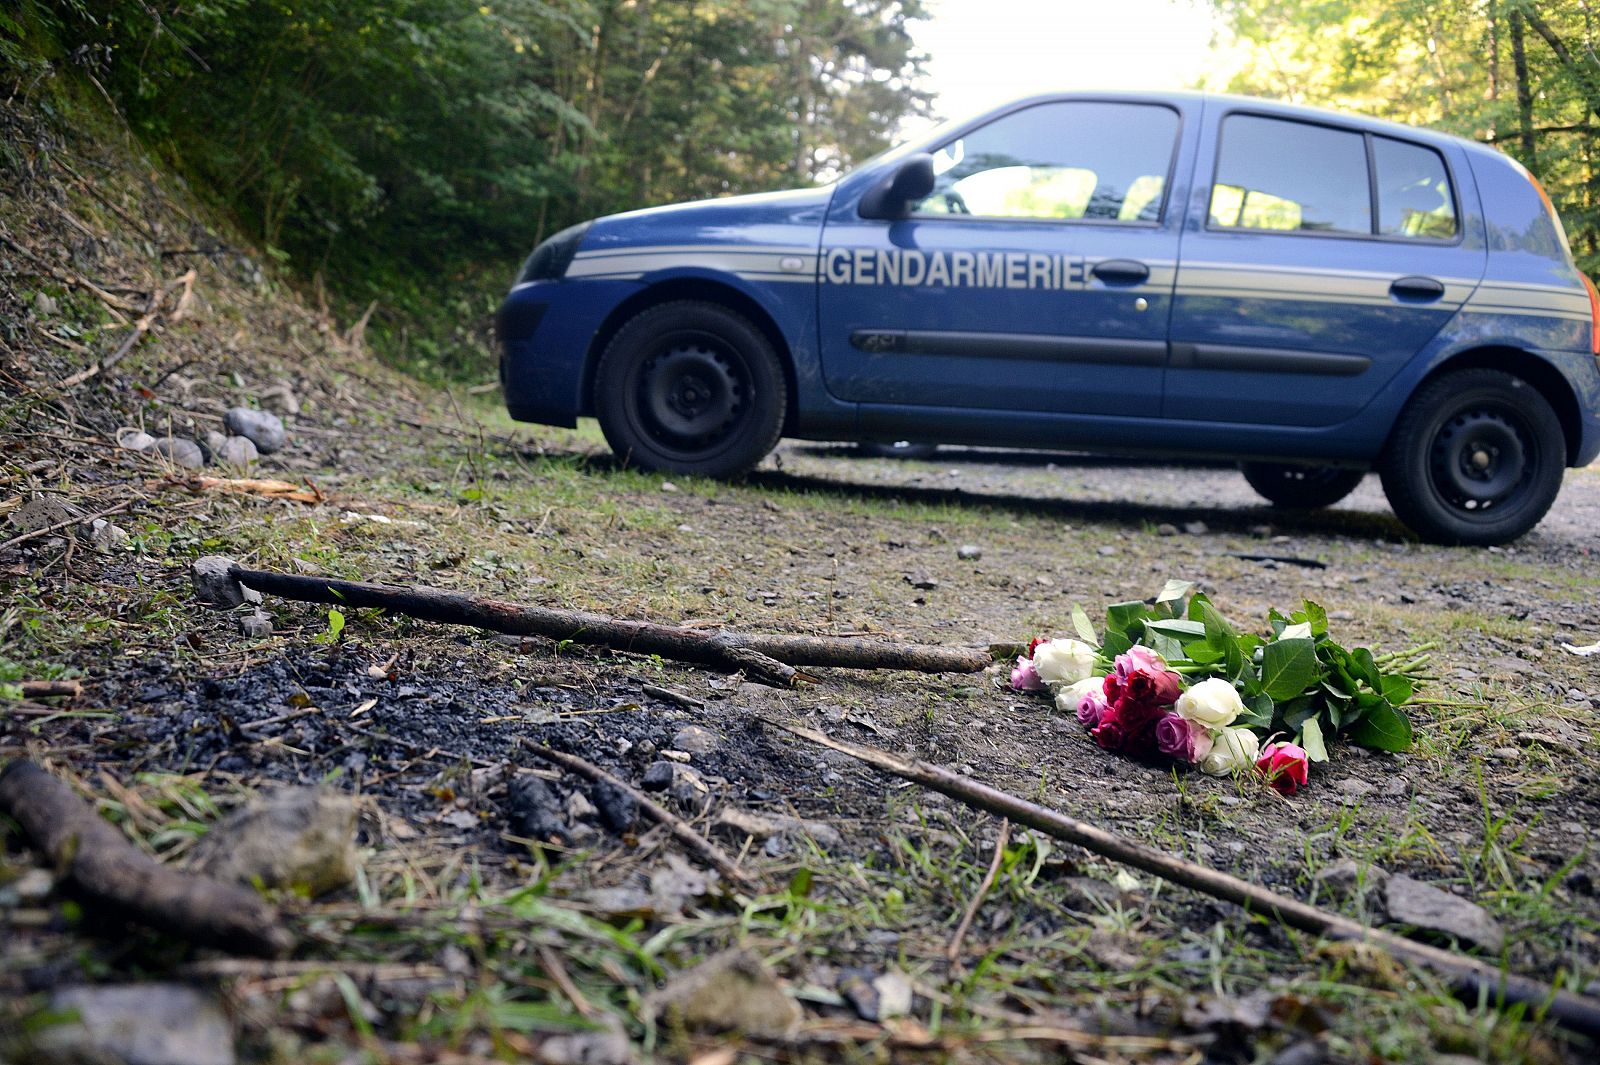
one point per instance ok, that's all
(1075, 160)
(1273, 174)
(1414, 198)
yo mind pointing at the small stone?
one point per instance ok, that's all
(41, 512)
(731, 991)
(533, 811)
(676, 756)
(238, 451)
(608, 1047)
(264, 428)
(1347, 877)
(921, 582)
(737, 823)
(44, 305)
(668, 486)
(682, 784)
(969, 552)
(179, 451)
(105, 537)
(1166, 528)
(281, 398)
(136, 1024)
(297, 839)
(256, 625)
(29, 889)
(214, 440)
(134, 440)
(1426, 907)
(214, 582)
(618, 809)
(696, 740)
(1354, 787)
(1196, 528)
(1108, 551)
(579, 808)
(1506, 754)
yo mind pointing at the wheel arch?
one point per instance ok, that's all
(705, 291)
(1548, 381)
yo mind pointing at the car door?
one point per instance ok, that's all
(1036, 276)
(1319, 261)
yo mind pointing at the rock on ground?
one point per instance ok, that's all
(300, 839)
(1424, 906)
(731, 991)
(762, 827)
(179, 451)
(135, 1024)
(534, 811)
(264, 428)
(214, 583)
(237, 451)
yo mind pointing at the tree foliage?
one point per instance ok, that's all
(1519, 74)
(405, 147)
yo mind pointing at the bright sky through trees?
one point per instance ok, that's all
(985, 51)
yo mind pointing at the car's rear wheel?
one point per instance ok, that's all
(1476, 458)
(1300, 487)
(690, 387)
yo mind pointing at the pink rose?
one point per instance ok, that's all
(1285, 765)
(1183, 740)
(1091, 708)
(1025, 678)
(1142, 675)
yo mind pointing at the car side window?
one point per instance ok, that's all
(1414, 198)
(1075, 160)
(1283, 175)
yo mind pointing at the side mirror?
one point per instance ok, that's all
(903, 186)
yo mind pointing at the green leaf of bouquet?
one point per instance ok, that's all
(1289, 667)
(1081, 625)
(1126, 619)
(1176, 628)
(1311, 740)
(1276, 621)
(1174, 591)
(1382, 727)
(1217, 627)
(1257, 712)
(1203, 653)
(1114, 644)
(1366, 668)
(1397, 689)
(1317, 618)
(1296, 712)
(1162, 644)
(1235, 662)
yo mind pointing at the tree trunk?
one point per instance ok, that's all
(1519, 60)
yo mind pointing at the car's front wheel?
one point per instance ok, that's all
(690, 387)
(1476, 458)
(1300, 487)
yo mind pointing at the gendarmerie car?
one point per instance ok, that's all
(1309, 293)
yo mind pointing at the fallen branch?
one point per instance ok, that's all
(953, 952)
(671, 821)
(147, 320)
(768, 658)
(48, 689)
(104, 867)
(1470, 979)
(252, 486)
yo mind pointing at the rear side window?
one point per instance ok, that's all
(1274, 174)
(1414, 197)
(1076, 160)
(1277, 174)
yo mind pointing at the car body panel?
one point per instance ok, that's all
(1267, 345)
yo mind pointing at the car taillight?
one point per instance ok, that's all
(1594, 316)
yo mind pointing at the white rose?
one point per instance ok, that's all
(1301, 631)
(1067, 699)
(1236, 749)
(1063, 661)
(1212, 703)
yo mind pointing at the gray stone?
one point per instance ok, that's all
(41, 512)
(180, 451)
(1354, 788)
(238, 451)
(135, 440)
(105, 537)
(1347, 878)
(733, 991)
(969, 552)
(256, 625)
(681, 783)
(29, 889)
(44, 305)
(214, 583)
(608, 1047)
(696, 740)
(1166, 528)
(1426, 907)
(737, 823)
(136, 1024)
(281, 398)
(264, 428)
(214, 440)
(1196, 528)
(299, 839)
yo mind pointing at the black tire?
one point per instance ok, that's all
(1300, 487)
(900, 449)
(690, 387)
(1476, 458)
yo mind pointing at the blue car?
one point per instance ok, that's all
(1311, 294)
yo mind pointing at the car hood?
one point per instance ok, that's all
(789, 217)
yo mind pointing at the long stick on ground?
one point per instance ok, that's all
(673, 823)
(769, 658)
(1469, 977)
(103, 866)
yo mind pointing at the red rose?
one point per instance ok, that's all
(1286, 766)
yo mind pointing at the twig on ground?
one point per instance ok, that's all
(1471, 979)
(152, 311)
(670, 821)
(49, 689)
(953, 954)
(104, 867)
(687, 701)
(768, 658)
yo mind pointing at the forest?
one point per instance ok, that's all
(410, 151)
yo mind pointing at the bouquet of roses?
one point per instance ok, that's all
(1175, 680)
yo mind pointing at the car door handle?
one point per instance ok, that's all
(1121, 272)
(1417, 289)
